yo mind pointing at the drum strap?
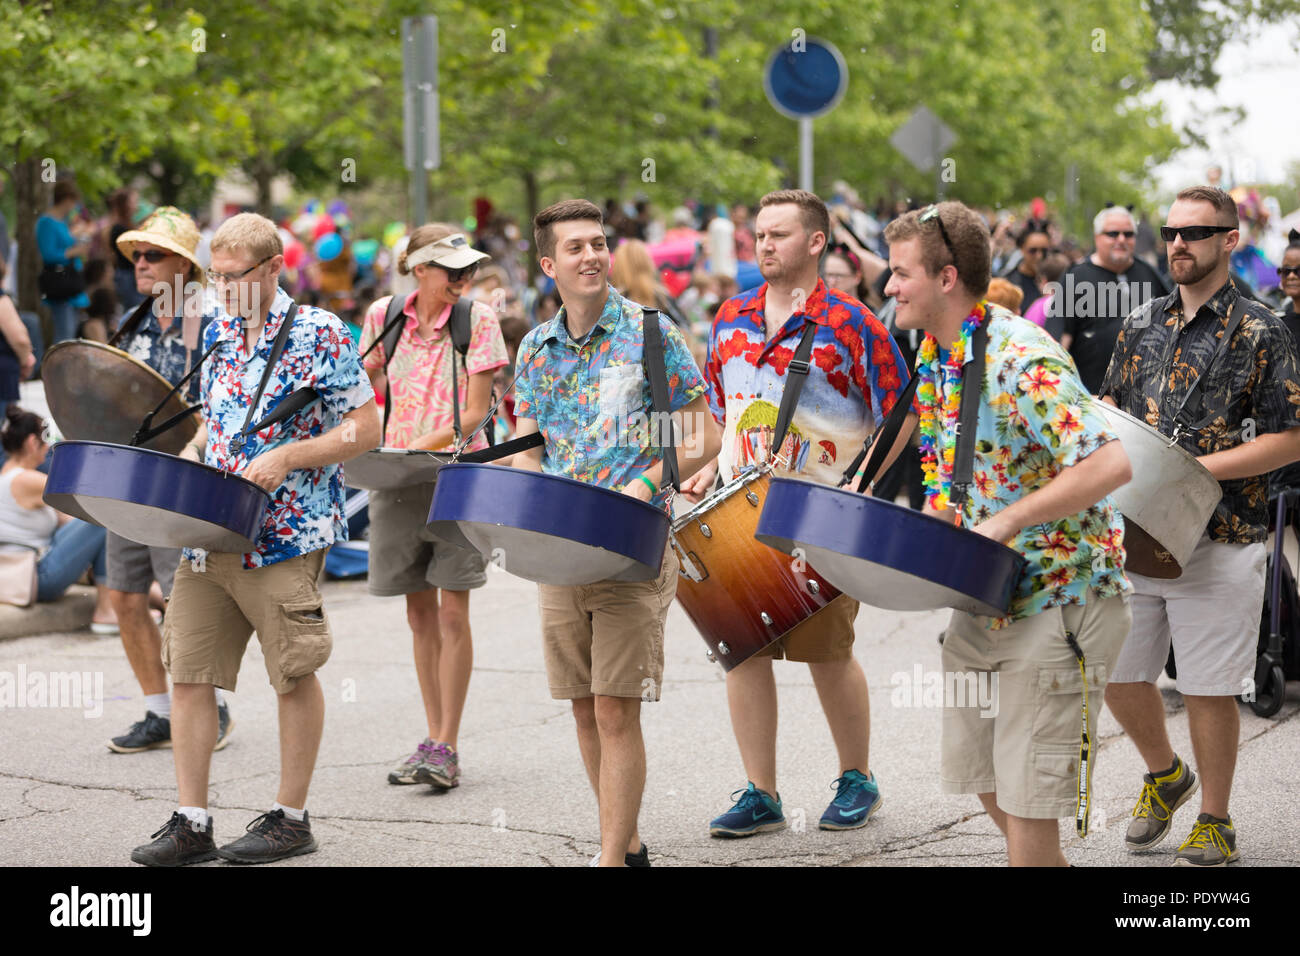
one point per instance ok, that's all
(147, 433)
(657, 373)
(880, 441)
(796, 377)
(1234, 319)
(972, 388)
(277, 349)
(1083, 801)
(131, 322)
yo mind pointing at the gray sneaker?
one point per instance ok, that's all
(1211, 843)
(1154, 814)
(441, 770)
(404, 772)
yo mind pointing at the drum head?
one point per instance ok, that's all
(886, 555)
(99, 393)
(154, 498)
(546, 528)
(387, 469)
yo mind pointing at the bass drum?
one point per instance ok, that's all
(154, 498)
(740, 594)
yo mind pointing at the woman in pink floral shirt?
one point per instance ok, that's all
(404, 558)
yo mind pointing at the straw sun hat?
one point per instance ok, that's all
(167, 228)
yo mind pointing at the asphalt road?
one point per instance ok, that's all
(66, 800)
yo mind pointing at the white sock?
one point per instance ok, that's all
(216, 692)
(290, 812)
(196, 815)
(160, 704)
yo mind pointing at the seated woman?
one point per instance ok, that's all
(66, 546)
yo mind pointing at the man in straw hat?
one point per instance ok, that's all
(163, 332)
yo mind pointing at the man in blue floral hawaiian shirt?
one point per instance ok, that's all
(584, 388)
(220, 599)
(1044, 465)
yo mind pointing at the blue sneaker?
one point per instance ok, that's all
(856, 799)
(755, 812)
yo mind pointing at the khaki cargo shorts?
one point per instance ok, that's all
(607, 638)
(213, 612)
(826, 636)
(1021, 737)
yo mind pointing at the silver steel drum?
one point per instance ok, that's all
(1168, 503)
(100, 393)
(387, 469)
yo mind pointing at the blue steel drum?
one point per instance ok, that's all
(887, 555)
(155, 498)
(546, 528)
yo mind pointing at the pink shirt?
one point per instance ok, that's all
(1037, 311)
(419, 376)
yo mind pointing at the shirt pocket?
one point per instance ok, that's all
(621, 390)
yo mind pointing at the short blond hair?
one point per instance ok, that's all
(248, 233)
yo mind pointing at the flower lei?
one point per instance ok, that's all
(939, 423)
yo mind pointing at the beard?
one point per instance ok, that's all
(1190, 271)
(771, 270)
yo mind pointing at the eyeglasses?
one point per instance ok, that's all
(455, 275)
(233, 276)
(1116, 233)
(153, 256)
(1191, 233)
(932, 212)
(1288, 271)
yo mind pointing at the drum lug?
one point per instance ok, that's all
(723, 648)
(767, 618)
(705, 530)
(710, 655)
(751, 498)
(814, 587)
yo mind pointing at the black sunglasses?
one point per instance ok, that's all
(1191, 233)
(153, 256)
(455, 275)
(1116, 233)
(932, 212)
(1288, 270)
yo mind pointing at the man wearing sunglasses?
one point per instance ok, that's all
(163, 332)
(1217, 372)
(1097, 293)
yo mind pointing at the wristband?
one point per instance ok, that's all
(649, 484)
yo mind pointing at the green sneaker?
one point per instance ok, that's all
(1154, 814)
(1212, 842)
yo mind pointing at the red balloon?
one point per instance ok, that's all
(293, 255)
(1039, 208)
(324, 225)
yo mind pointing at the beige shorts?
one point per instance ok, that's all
(1013, 703)
(405, 557)
(826, 636)
(213, 612)
(1211, 614)
(607, 638)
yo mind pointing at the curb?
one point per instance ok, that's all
(70, 613)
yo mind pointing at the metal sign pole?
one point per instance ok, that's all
(805, 153)
(420, 108)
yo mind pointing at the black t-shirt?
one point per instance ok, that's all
(1026, 284)
(1291, 319)
(119, 261)
(1093, 303)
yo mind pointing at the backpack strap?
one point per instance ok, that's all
(394, 321)
(660, 413)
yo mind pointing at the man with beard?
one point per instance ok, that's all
(856, 375)
(1217, 372)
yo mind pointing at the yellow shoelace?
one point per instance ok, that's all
(1144, 809)
(1204, 835)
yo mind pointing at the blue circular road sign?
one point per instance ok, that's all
(805, 78)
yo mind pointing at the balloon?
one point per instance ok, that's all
(312, 207)
(302, 226)
(328, 246)
(336, 207)
(341, 222)
(294, 253)
(1039, 208)
(365, 250)
(324, 224)
(392, 232)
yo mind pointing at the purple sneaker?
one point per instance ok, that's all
(441, 770)
(405, 771)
